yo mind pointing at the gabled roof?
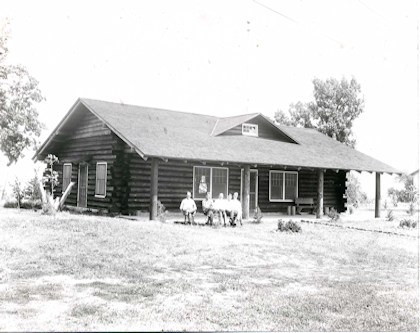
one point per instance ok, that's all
(178, 135)
(224, 124)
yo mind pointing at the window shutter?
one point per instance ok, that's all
(100, 188)
(67, 170)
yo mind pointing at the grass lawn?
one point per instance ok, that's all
(73, 272)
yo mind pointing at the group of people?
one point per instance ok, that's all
(229, 209)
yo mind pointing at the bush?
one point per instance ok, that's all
(25, 204)
(334, 215)
(390, 216)
(32, 190)
(257, 215)
(48, 208)
(411, 209)
(17, 192)
(408, 223)
(10, 204)
(289, 226)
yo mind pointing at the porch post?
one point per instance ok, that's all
(320, 197)
(378, 195)
(245, 200)
(154, 189)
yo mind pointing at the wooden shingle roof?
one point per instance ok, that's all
(179, 135)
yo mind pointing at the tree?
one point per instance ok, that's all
(19, 94)
(50, 178)
(354, 193)
(337, 104)
(18, 192)
(32, 190)
(408, 194)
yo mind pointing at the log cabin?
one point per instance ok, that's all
(124, 158)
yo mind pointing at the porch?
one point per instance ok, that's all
(326, 187)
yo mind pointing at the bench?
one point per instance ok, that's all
(302, 203)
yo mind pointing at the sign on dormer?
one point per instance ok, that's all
(249, 129)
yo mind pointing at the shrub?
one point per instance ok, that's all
(257, 215)
(17, 192)
(50, 179)
(48, 208)
(10, 204)
(289, 226)
(32, 190)
(411, 209)
(25, 204)
(390, 216)
(408, 223)
(334, 215)
(161, 212)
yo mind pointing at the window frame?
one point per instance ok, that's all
(71, 173)
(105, 179)
(250, 134)
(211, 180)
(284, 185)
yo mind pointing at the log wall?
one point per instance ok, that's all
(334, 189)
(89, 142)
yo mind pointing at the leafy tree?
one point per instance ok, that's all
(337, 104)
(18, 192)
(19, 94)
(32, 190)
(408, 194)
(354, 193)
(281, 118)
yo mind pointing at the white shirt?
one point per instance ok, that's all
(235, 205)
(188, 205)
(220, 204)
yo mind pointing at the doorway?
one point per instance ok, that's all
(253, 189)
(82, 187)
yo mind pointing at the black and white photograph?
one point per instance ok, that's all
(209, 165)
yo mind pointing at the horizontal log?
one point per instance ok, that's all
(89, 134)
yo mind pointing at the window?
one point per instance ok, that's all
(100, 187)
(210, 179)
(67, 169)
(250, 129)
(283, 185)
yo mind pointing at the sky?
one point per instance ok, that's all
(225, 58)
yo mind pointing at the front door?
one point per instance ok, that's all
(253, 190)
(82, 187)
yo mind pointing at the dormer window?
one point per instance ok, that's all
(250, 129)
